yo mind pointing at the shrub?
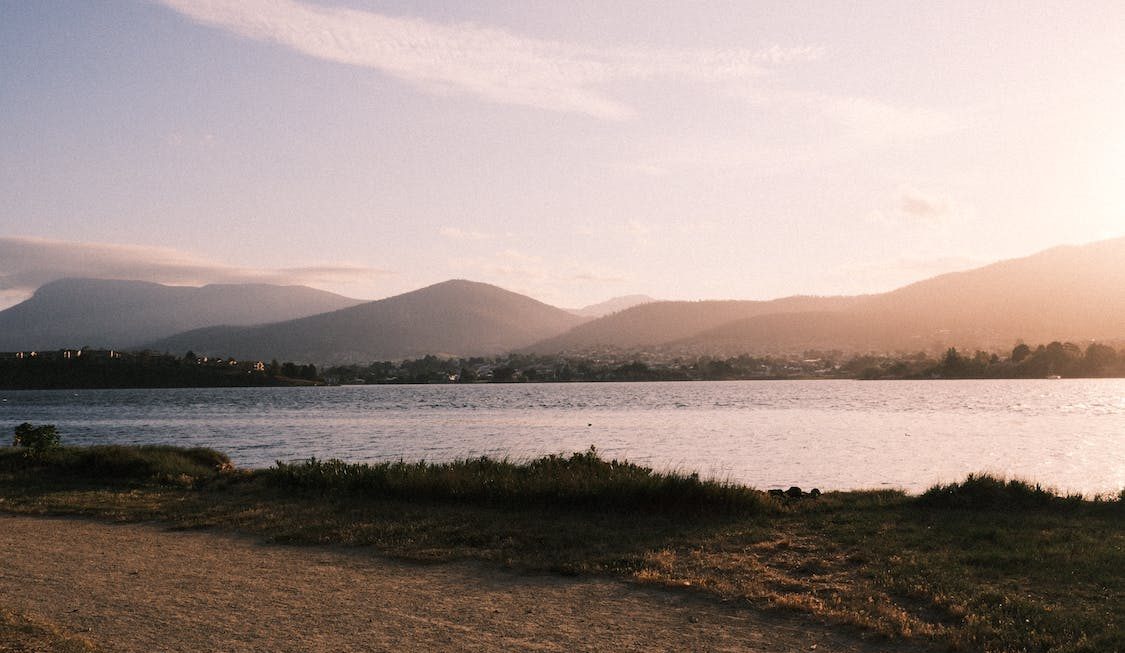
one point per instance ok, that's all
(37, 439)
(987, 492)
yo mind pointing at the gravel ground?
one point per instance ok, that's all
(143, 588)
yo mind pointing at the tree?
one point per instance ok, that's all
(36, 439)
(1020, 353)
(1099, 358)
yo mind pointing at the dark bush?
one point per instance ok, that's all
(987, 492)
(36, 439)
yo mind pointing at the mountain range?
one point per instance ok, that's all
(1067, 293)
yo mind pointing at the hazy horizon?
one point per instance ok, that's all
(570, 153)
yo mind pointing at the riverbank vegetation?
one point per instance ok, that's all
(982, 565)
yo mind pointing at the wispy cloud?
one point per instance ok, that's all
(598, 278)
(27, 263)
(923, 206)
(491, 64)
(874, 122)
(913, 206)
(457, 233)
(631, 228)
(823, 129)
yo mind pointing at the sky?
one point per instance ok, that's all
(572, 151)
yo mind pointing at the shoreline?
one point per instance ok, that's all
(910, 571)
(324, 384)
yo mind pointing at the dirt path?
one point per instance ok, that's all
(140, 588)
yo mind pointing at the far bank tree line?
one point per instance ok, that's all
(89, 368)
(1064, 359)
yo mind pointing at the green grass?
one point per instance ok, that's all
(982, 565)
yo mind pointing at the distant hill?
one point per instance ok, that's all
(611, 305)
(454, 318)
(1064, 293)
(1067, 293)
(121, 314)
(658, 323)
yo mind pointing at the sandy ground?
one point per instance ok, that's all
(140, 588)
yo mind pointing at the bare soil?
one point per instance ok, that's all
(136, 587)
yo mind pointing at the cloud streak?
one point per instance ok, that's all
(916, 207)
(923, 206)
(490, 64)
(27, 263)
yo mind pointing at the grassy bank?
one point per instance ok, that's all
(985, 564)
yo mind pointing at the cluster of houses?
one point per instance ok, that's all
(248, 366)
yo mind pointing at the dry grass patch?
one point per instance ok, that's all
(23, 633)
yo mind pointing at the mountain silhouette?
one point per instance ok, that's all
(453, 318)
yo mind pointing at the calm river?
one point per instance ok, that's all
(1069, 434)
